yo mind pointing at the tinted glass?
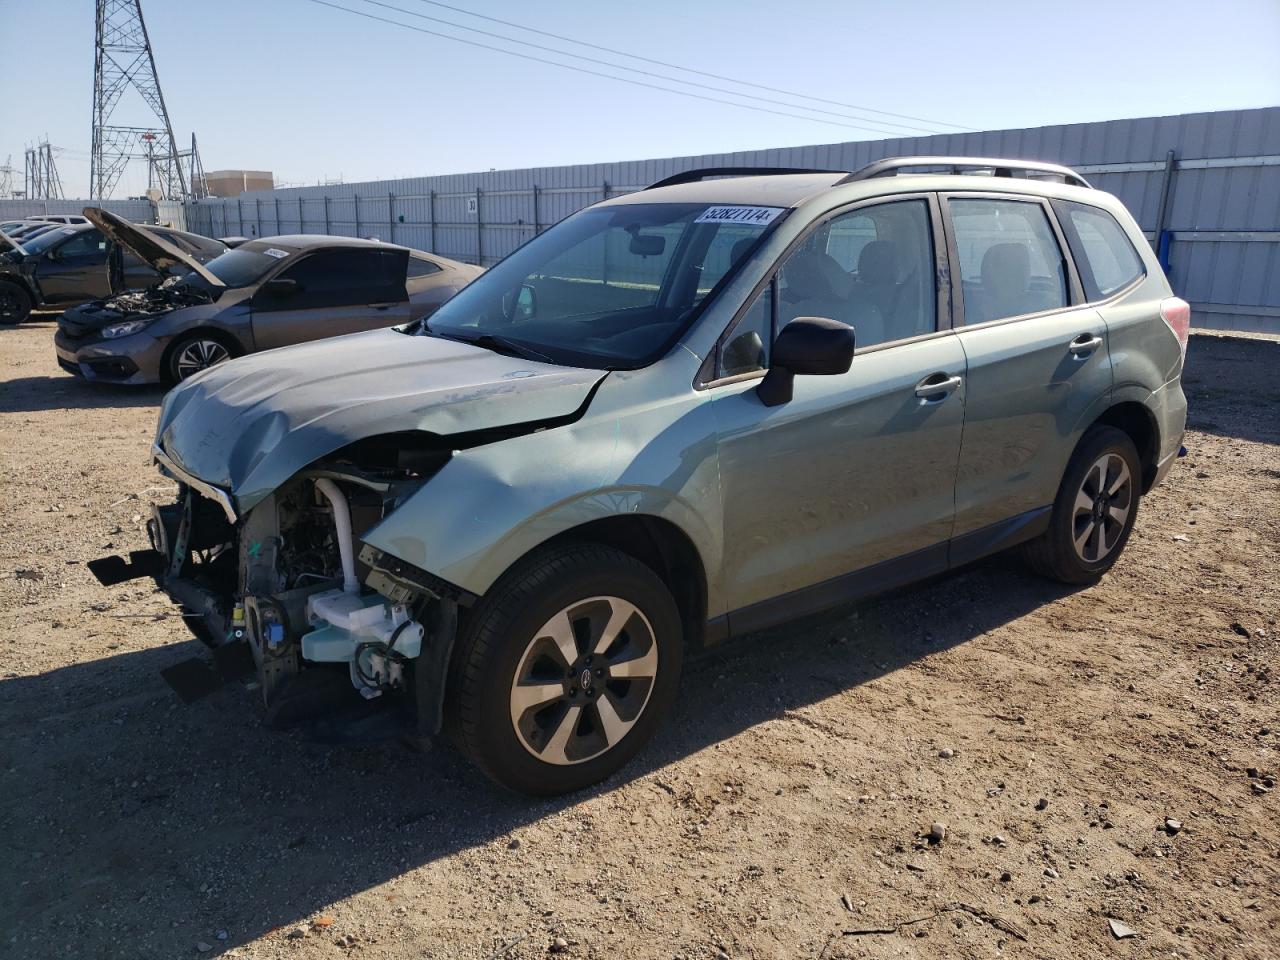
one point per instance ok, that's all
(34, 242)
(332, 278)
(418, 267)
(610, 287)
(1010, 261)
(88, 243)
(1104, 255)
(872, 268)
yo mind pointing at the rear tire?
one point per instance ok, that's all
(565, 669)
(15, 304)
(1094, 512)
(193, 352)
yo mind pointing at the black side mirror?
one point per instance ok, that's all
(281, 287)
(811, 346)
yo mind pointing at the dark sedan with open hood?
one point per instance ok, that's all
(262, 294)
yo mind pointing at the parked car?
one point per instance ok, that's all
(262, 294)
(61, 266)
(691, 412)
(59, 217)
(13, 236)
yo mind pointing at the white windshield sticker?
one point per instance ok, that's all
(753, 215)
(273, 252)
(67, 230)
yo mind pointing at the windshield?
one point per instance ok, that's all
(611, 287)
(243, 266)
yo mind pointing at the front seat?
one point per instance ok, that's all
(1006, 280)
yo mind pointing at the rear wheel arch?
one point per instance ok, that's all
(1134, 419)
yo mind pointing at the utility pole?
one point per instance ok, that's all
(123, 61)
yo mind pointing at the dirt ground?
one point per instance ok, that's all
(782, 814)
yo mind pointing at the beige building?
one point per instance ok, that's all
(232, 183)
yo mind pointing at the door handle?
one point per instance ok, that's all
(937, 387)
(383, 306)
(1084, 345)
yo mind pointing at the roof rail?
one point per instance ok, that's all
(999, 168)
(706, 173)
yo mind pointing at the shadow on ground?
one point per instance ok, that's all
(207, 821)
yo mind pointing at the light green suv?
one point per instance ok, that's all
(725, 401)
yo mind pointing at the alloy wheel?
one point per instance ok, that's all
(199, 354)
(1102, 508)
(583, 680)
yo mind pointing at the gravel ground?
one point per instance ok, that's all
(1088, 756)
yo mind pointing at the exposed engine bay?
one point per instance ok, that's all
(175, 292)
(291, 581)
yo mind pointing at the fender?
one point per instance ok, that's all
(490, 505)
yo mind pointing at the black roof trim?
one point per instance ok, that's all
(999, 168)
(706, 173)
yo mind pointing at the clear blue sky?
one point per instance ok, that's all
(312, 92)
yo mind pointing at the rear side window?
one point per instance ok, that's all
(1104, 254)
(1010, 261)
(421, 267)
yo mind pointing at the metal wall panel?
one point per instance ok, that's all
(1227, 181)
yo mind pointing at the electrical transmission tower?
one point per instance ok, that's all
(123, 61)
(6, 177)
(40, 174)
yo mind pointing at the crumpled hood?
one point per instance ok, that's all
(248, 425)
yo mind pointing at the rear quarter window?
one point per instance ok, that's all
(1104, 254)
(421, 267)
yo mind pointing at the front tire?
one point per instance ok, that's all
(1094, 512)
(565, 669)
(15, 304)
(195, 351)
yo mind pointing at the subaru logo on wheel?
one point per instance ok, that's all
(585, 679)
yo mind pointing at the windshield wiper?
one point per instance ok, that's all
(498, 344)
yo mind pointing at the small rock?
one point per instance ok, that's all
(1042, 803)
(937, 833)
(23, 574)
(514, 844)
(1121, 931)
(559, 945)
(1034, 898)
(1051, 873)
(1181, 537)
(999, 840)
(221, 934)
(1172, 826)
(946, 753)
(1006, 877)
(298, 932)
(848, 904)
(1240, 630)
(203, 947)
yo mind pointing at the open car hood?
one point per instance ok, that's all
(150, 247)
(247, 426)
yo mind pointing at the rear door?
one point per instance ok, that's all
(338, 291)
(75, 269)
(1037, 357)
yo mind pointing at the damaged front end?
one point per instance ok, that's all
(336, 629)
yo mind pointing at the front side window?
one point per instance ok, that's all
(1010, 261)
(1104, 254)
(872, 268)
(336, 278)
(86, 244)
(611, 287)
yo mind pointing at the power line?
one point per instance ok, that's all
(701, 73)
(595, 73)
(650, 73)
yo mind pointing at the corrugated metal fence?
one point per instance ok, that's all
(1205, 187)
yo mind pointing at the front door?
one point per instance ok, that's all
(1037, 356)
(856, 474)
(342, 290)
(75, 270)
